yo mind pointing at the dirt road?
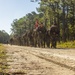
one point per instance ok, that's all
(40, 61)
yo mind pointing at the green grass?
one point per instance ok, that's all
(69, 44)
(2, 58)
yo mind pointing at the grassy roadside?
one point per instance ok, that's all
(69, 44)
(3, 64)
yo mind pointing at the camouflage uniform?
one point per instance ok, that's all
(42, 33)
(48, 38)
(11, 41)
(54, 33)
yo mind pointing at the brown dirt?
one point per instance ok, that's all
(40, 61)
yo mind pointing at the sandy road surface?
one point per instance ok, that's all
(39, 61)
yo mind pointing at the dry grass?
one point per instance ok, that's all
(3, 64)
(69, 44)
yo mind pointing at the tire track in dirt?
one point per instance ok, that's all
(58, 63)
(52, 59)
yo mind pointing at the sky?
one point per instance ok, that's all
(14, 9)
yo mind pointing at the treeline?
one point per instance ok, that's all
(60, 11)
(4, 37)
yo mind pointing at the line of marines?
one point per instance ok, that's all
(38, 37)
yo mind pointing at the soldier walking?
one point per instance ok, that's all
(42, 33)
(54, 34)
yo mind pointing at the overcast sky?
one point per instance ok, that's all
(14, 9)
